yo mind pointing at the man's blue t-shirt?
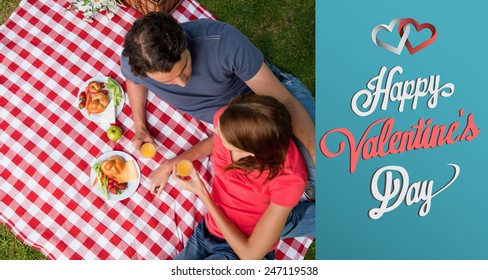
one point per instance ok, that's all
(222, 59)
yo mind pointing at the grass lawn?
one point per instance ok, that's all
(6, 8)
(284, 30)
(12, 248)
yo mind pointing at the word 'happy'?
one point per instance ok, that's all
(398, 92)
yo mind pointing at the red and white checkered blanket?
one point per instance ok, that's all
(47, 145)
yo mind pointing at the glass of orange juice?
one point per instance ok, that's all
(184, 168)
(148, 150)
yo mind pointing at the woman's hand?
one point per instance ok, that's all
(193, 184)
(159, 176)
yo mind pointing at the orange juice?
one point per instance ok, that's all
(184, 168)
(148, 150)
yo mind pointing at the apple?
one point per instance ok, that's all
(114, 133)
(94, 87)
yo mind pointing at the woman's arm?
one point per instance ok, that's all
(265, 83)
(264, 235)
(160, 175)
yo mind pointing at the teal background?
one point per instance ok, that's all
(456, 226)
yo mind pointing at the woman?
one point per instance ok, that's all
(259, 177)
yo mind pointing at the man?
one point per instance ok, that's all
(198, 67)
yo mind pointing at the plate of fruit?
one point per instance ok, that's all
(115, 175)
(101, 99)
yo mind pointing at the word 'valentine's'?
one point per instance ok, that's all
(422, 135)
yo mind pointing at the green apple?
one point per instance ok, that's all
(114, 133)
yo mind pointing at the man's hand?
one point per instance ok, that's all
(142, 136)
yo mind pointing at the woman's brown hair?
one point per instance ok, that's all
(260, 125)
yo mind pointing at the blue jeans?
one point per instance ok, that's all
(202, 245)
(301, 92)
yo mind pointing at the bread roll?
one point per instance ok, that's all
(98, 103)
(113, 166)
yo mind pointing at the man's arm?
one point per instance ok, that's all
(137, 100)
(265, 83)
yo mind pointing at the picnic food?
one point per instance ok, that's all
(129, 173)
(148, 150)
(114, 174)
(101, 97)
(112, 167)
(114, 133)
(108, 115)
(82, 100)
(94, 87)
(184, 168)
(115, 91)
(97, 103)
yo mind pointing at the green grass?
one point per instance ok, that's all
(284, 30)
(12, 248)
(6, 8)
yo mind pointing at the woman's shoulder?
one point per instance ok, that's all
(294, 160)
(294, 170)
(287, 188)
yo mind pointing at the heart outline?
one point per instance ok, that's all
(390, 28)
(418, 27)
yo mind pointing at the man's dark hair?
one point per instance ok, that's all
(154, 43)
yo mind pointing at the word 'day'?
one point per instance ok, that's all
(397, 190)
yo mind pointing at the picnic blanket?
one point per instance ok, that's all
(47, 145)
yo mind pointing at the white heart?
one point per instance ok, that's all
(389, 28)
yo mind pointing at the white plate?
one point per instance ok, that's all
(96, 117)
(131, 185)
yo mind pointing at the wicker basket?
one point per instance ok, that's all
(146, 6)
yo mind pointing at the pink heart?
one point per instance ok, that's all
(418, 27)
